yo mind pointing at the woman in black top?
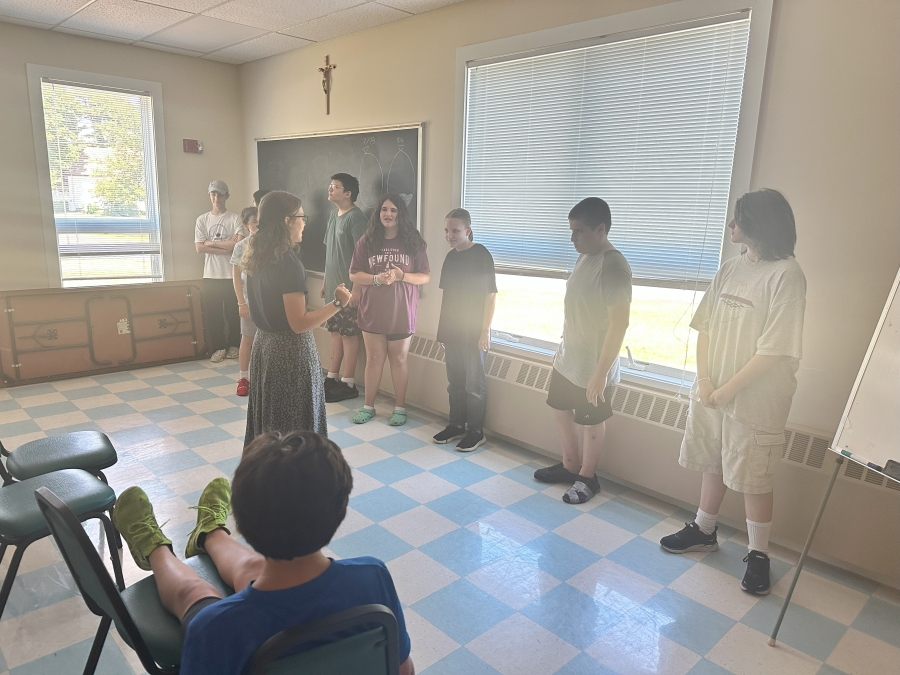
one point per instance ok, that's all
(286, 390)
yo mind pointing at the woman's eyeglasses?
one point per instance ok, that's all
(305, 219)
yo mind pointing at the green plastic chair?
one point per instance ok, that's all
(21, 522)
(142, 621)
(91, 451)
(374, 651)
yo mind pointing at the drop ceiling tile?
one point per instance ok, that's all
(346, 21)
(193, 6)
(47, 11)
(278, 14)
(96, 36)
(24, 22)
(204, 34)
(261, 47)
(417, 6)
(124, 18)
(222, 59)
(167, 48)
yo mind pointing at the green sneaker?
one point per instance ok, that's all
(212, 513)
(133, 517)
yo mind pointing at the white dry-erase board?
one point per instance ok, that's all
(870, 426)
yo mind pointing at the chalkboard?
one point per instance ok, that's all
(383, 160)
(870, 426)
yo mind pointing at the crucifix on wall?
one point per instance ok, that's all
(326, 85)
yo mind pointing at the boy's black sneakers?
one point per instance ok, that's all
(690, 539)
(330, 383)
(340, 391)
(470, 441)
(451, 433)
(555, 474)
(756, 578)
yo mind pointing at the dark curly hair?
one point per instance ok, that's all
(290, 493)
(407, 233)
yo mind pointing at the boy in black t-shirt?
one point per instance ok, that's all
(470, 289)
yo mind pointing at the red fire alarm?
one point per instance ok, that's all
(190, 145)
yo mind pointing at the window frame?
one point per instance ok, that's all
(35, 73)
(667, 17)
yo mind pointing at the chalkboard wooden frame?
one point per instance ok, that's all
(365, 137)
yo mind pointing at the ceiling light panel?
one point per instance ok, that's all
(47, 11)
(278, 14)
(124, 18)
(417, 6)
(204, 34)
(261, 47)
(346, 21)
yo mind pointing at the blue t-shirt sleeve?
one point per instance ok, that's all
(201, 653)
(392, 601)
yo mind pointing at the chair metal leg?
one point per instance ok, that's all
(115, 530)
(3, 548)
(11, 575)
(114, 557)
(97, 647)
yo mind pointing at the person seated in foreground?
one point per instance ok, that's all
(290, 494)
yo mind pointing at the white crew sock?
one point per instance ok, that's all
(397, 408)
(349, 381)
(758, 534)
(334, 376)
(369, 407)
(706, 521)
(245, 374)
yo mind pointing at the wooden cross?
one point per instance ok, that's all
(326, 70)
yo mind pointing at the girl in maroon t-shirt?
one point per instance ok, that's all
(388, 263)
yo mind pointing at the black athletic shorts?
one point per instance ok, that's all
(193, 611)
(564, 395)
(344, 322)
(392, 337)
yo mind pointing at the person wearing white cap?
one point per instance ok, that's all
(217, 231)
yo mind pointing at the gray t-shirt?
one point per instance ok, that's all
(597, 282)
(341, 236)
(236, 256)
(755, 308)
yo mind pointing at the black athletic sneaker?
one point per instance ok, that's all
(756, 578)
(340, 392)
(451, 433)
(330, 383)
(470, 441)
(555, 474)
(690, 539)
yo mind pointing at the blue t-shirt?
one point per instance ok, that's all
(223, 637)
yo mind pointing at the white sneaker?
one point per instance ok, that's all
(232, 353)
(218, 356)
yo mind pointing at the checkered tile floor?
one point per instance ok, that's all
(497, 574)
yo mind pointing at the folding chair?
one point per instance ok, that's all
(91, 451)
(375, 651)
(142, 621)
(21, 522)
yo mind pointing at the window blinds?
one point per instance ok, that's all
(103, 177)
(649, 124)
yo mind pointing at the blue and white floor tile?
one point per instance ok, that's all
(496, 573)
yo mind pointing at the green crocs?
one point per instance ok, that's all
(133, 517)
(398, 419)
(363, 416)
(212, 514)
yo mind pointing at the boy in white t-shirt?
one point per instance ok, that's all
(217, 231)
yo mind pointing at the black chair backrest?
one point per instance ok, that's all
(374, 651)
(96, 586)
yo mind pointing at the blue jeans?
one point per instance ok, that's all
(465, 373)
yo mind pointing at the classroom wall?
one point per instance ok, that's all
(828, 137)
(200, 100)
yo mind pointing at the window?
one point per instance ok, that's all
(100, 146)
(646, 119)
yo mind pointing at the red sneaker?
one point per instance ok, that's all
(243, 388)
